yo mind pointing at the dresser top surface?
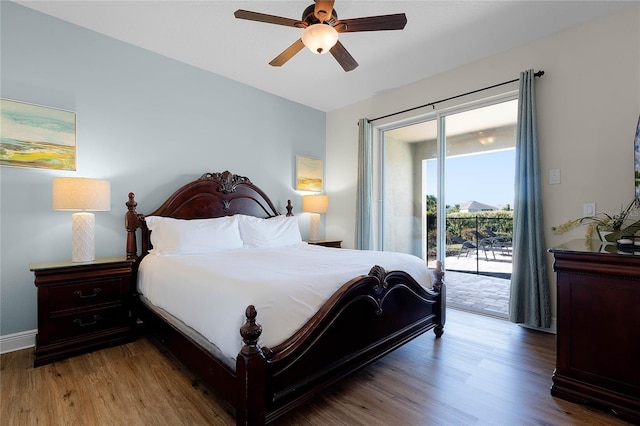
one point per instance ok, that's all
(594, 247)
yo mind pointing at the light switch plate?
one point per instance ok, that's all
(554, 176)
(589, 209)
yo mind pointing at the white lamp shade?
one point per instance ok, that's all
(85, 195)
(319, 38)
(315, 203)
(81, 194)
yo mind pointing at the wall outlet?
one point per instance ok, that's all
(554, 177)
(589, 209)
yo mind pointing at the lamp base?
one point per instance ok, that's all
(83, 247)
(314, 226)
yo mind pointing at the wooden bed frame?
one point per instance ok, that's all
(368, 317)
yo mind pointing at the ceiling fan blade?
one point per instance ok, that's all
(288, 53)
(343, 57)
(269, 19)
(323, 9)
(372, 23)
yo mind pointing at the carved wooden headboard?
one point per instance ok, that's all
(212, 195)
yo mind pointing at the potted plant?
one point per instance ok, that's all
(609, 227)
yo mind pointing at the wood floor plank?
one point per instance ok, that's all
(483, 371)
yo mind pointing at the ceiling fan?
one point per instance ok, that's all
(321, 26)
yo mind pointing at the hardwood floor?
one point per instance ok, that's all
(482, 371)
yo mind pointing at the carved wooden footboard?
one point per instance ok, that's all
(366, 319)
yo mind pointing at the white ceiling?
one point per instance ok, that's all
(439, 36)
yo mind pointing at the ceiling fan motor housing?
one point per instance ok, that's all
(309, 16)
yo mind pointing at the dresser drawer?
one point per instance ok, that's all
(87, 322)
(85, 294)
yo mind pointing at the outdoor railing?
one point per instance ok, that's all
(467, 238)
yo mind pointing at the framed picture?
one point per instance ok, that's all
(309, 174)
(37, 136)
(636, 147)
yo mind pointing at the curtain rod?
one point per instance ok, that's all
(433, 104)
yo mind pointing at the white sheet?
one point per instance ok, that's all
(287, 285)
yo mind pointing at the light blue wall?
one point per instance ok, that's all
(146, 123)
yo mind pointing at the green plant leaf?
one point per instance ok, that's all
(626, 232)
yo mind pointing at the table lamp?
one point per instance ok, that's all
(314, 204)
(84, 195)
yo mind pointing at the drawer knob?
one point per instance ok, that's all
(79, 322)
(78, 293)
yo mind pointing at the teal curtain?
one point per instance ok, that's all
(530, 302)
(364, 205)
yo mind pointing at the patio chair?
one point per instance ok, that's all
(502, 242)
(485, 243)
(465, 247)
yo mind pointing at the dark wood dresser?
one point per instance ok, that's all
(598, 337)
(82, 306)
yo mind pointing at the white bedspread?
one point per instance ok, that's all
(287, 285)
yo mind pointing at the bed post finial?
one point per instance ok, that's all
(131, 224)
(438, 273)
(289, 208)
(441, 288)
(251, 330)
(251, 370)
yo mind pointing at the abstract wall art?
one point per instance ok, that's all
(309, 174)
(35, 136)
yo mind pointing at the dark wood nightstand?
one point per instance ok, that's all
(82, 306)
(327, 243)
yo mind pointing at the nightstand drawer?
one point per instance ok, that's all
(86, 322)
(84, 295)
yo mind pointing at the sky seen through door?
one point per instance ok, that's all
(486, 177)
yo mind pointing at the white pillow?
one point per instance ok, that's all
(196, 236)
(277, 231)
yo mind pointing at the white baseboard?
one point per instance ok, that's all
(18, 341)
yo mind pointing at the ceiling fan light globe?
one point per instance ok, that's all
(319, 38)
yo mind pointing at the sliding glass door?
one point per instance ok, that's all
(479, 188)
(448, 189)
(406, 228)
